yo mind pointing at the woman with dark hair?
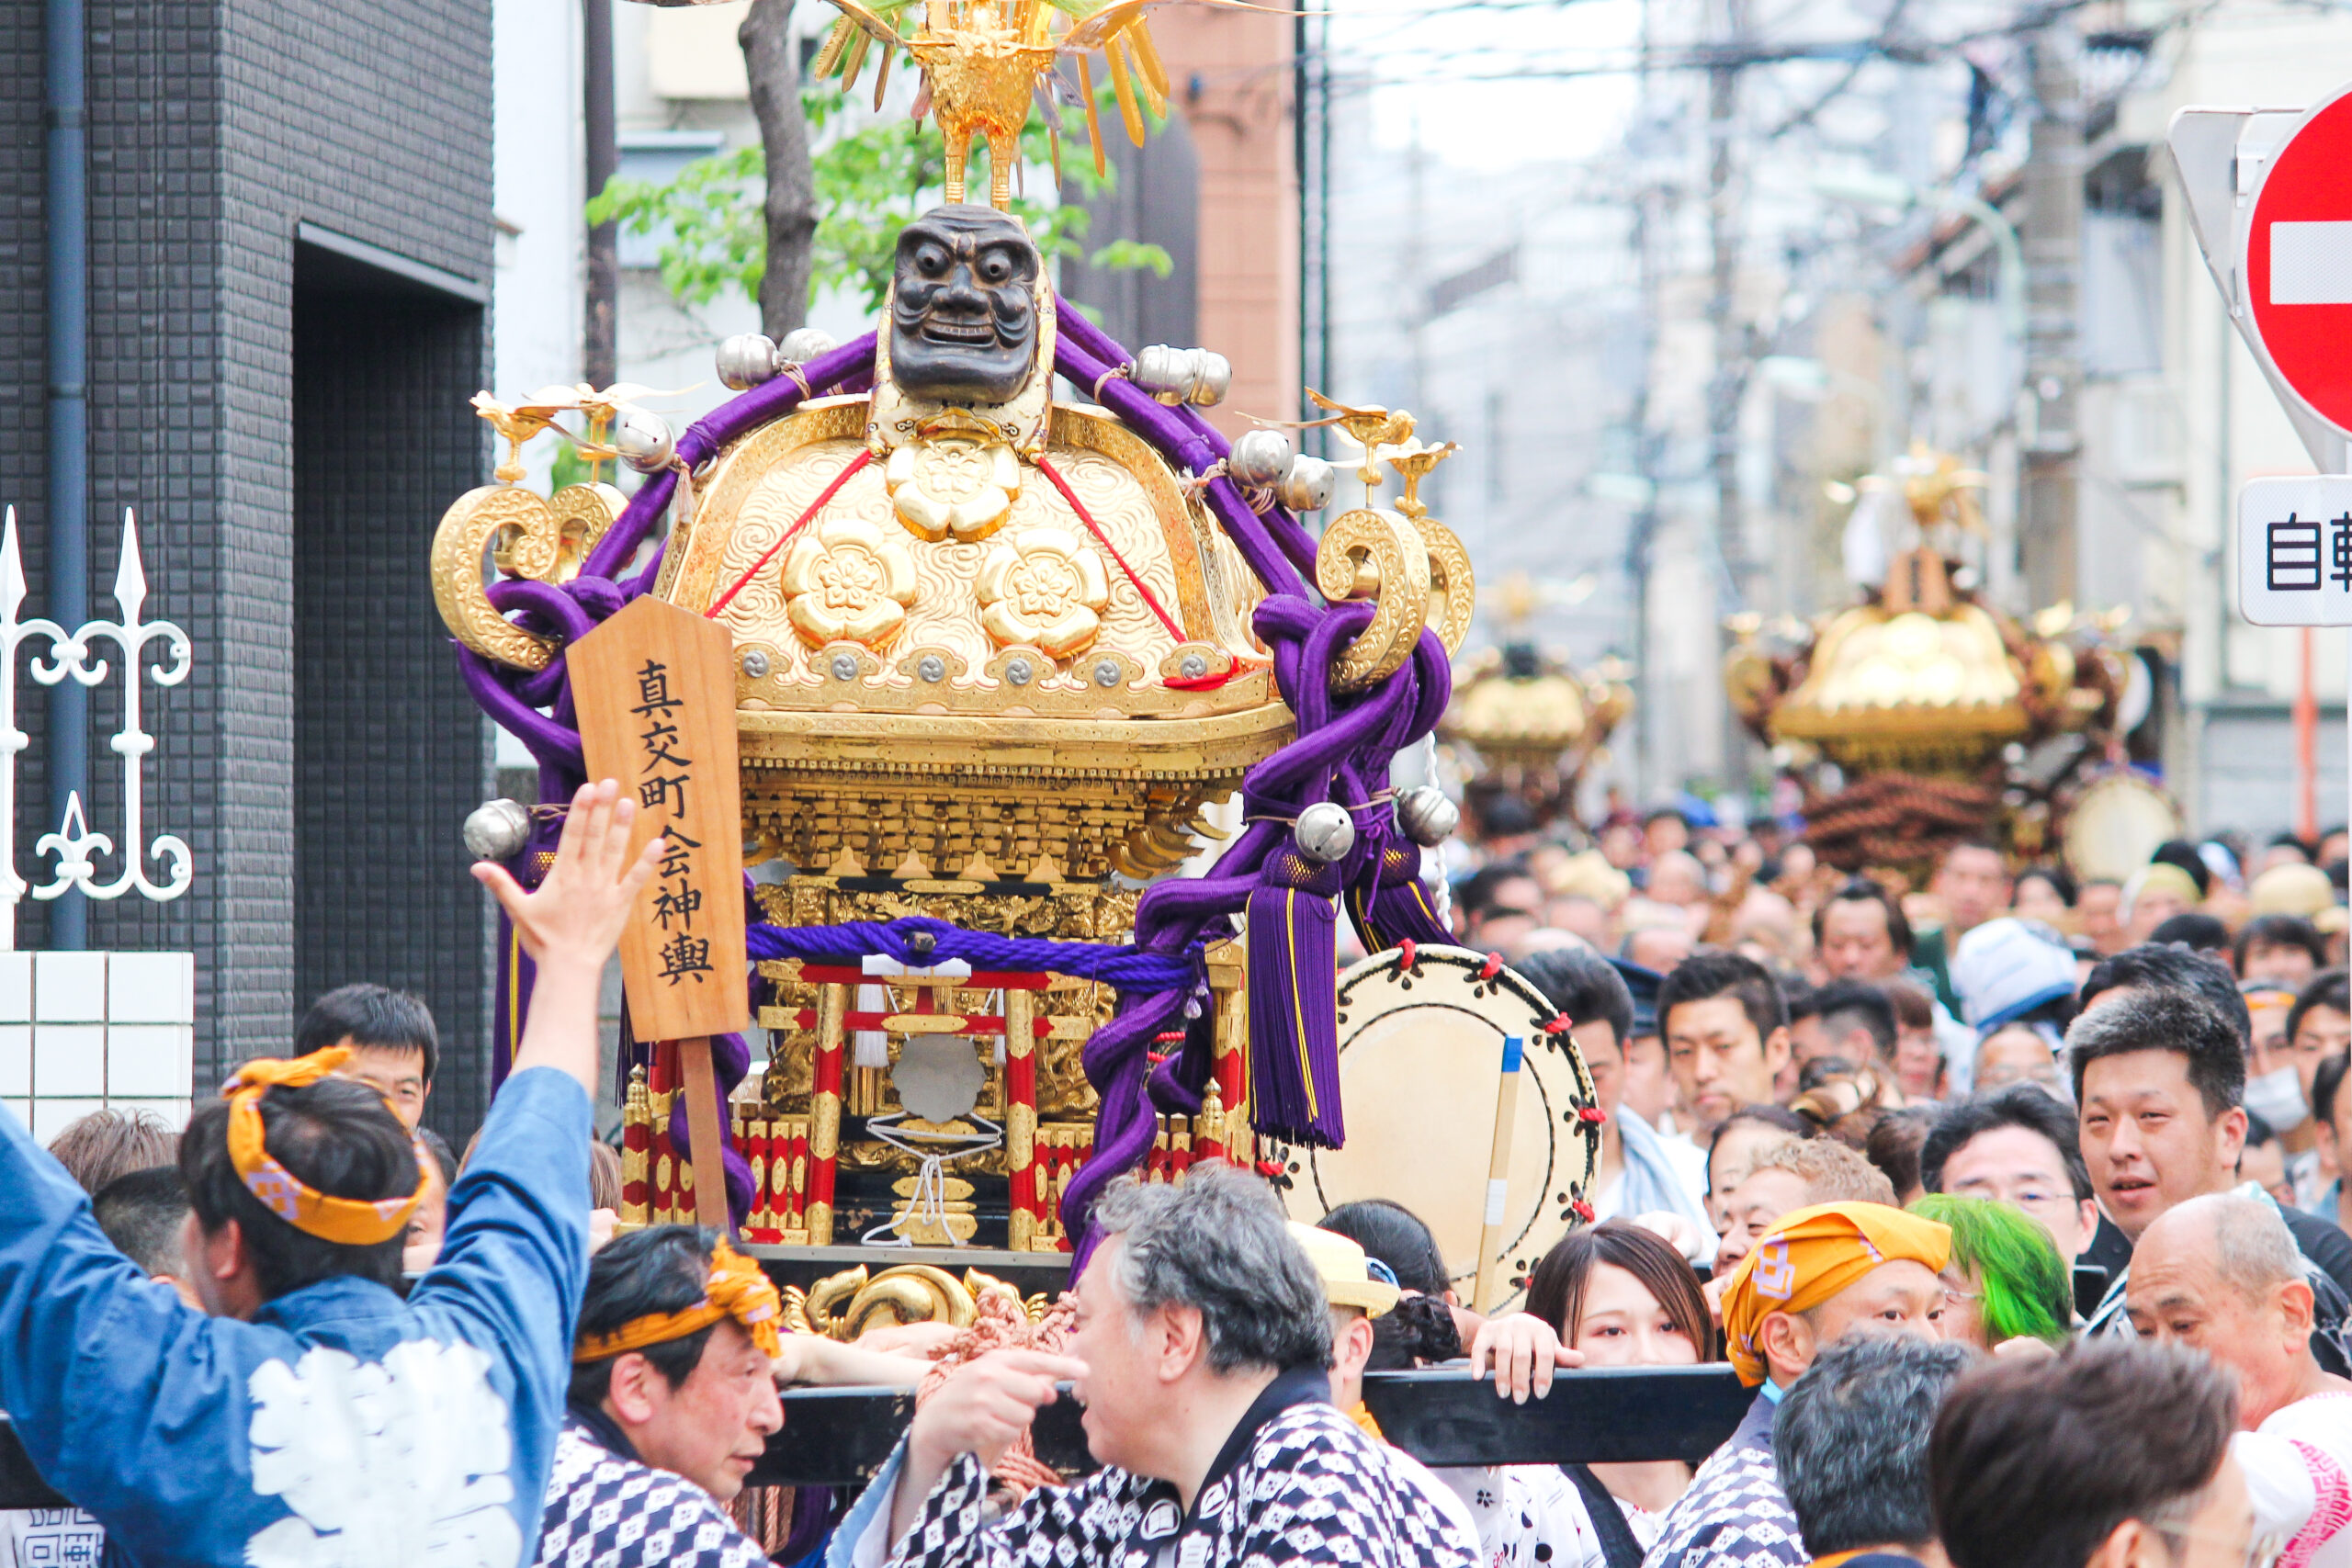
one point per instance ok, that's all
(1626, 1297)
(1395, 1235)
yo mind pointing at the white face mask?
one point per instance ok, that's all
(2277, 1099)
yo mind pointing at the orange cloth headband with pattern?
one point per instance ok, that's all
(349, 1222)
(736, 1288)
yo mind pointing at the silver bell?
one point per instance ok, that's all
(804, 343)
(1325, 832)
(497, 829)
(746, 360)
(643, 440)
(1212, 378)
(1261, 459)
(1308, 485)
(1167, 373)
(1427, 816)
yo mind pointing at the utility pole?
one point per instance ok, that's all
(1417, 289)
(66, 197)
(1728, 387)
(1652, 222)
(600, 354)
(2052, 244)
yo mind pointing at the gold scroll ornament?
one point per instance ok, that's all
(527, 536)
(1409, 565)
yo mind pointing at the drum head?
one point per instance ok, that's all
(1420, 1071)
(2116, 824)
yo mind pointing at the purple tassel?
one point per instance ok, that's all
(1293, 1022)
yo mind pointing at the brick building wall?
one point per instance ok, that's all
(217, 127)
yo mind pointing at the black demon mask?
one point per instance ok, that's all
(964, 313)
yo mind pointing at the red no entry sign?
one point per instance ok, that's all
(2298, 269)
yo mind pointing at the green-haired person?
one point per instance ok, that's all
(2006, 1280)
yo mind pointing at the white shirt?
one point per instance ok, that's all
(2297, 1469)
(1530, 1516)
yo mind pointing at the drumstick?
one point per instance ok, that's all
(1490, 1238)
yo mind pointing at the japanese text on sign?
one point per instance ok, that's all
(684, 954)
(656, 692)
(2295, 552)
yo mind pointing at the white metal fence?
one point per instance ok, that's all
(74, 844)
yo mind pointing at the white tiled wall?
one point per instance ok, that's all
(79, 1030)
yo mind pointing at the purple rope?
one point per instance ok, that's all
(919, 940)
(707, 435)
(1098, 345)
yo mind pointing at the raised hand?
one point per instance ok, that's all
(571, 922)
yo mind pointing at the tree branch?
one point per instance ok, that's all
(791, 207)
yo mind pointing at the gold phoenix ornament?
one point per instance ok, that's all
(982, 61)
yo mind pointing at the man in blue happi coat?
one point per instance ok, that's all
(309, 1414)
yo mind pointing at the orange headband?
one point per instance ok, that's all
(736, 1288)
(349, 1222)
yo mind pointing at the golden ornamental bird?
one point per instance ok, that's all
(982, 61)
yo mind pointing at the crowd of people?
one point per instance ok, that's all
(2018, 1209)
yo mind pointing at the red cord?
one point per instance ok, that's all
(815, 506)
(1491, 967)
(1071, 495)
(1559, 1025)
(1407, 955)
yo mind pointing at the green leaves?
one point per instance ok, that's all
(868, 183)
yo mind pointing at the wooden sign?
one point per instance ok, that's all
(655, 692)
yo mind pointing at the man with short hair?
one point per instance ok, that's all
(2331, 1110)
(2158, 1076)
(1726, 1033)
(2146, 968)
(97, 1147)
(2219, 1274)
(1789, 1175)
(143, 1213)
(1851, 1443)
(2020, 1145)
(391, 1039)
(316, 1416)
(1203, 1358)
(672, 1401)
(1815, 1276)
(1354, 1285)
(1639, 1172)
(1975, 886)
(2287, 949)
(2115, 1455)
(1860, 933)
(2319, 1026)
(1850, 1020)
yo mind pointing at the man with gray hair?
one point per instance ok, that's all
(1202, 1356)
(2221, 1274)
(1851, 1443)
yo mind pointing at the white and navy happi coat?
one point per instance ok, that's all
(1734, 1516)
(608, 1509)
(1298, 1483)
